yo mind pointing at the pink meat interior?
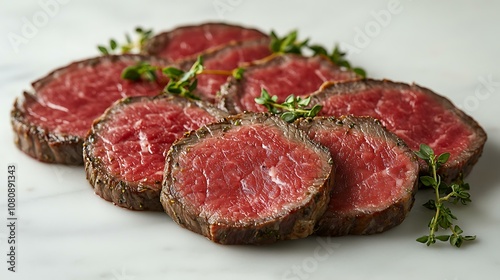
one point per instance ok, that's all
(190, 41)
(209, 84)
(295, 76)
(250, 173)
(134, 142)
(413, 116)
(69, 103)
(370, 173)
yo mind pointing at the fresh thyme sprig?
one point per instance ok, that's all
(238, 73)
(456, 192)
(181, 82)
(337, 57)
(141, 70)
(290, 44)
(290, 110)
(287, 44)
(130, 45)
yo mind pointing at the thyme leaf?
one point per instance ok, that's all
(290, 110)
(129, 46)
(338, 57)
(141, 70)
(183, 83)
(287, 44)
(238, 73)
(290, 44)
(456, 192)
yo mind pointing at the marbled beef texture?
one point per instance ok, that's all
(189, 41)
(415, 114)
(227, 58)
(376, 175)
(51, 122)
(281, 76)
(250, 179)
(125, 150)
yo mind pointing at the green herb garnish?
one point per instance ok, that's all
(287, 44)
(456, 192)
(337, 57)
(290, 110)
(180, 82)
(129, 45)
(141, 70)
(290, 44)
(238, 73)
(183, 83)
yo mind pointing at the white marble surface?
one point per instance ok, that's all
(67, 232)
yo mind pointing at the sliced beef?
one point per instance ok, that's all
(50, 123)
(281, 76)
(249, 179)
(125, 150)
(189, 41)
(376, 175)
(227, 58)
(415, 114)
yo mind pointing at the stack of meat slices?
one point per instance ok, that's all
(253, 179)
(416, 114)
(187, 42)
(375, 175)
(51, 122)
(281, 76)
(125, 150)
(248, 178)
(226, 58)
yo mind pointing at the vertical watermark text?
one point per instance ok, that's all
(11, 217)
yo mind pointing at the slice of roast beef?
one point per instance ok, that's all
(189, 41)
(50, 123)
(415, 114)
(125, 150)
(376, 175)
(227, 58)
(281, 76)
(249, 179)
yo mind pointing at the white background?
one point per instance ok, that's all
(66, 232)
